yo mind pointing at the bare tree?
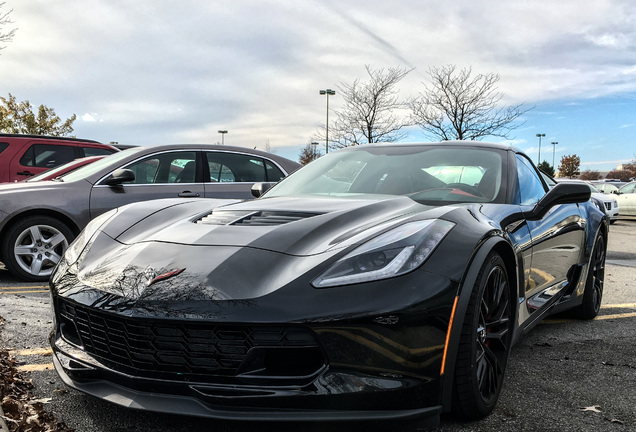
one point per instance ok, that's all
(4, 20)
(457, 106)
(626, 173)
(589, 175)
(369, 111)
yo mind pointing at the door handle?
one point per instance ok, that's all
(188, 194)
(25, 173)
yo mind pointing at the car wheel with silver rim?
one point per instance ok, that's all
(34, 245)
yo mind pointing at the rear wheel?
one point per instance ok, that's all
(484, 342)
(33, 247)
(593, 294)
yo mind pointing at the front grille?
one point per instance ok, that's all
(180, 350)
(608, 205)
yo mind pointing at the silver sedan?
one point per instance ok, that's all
(39, 220)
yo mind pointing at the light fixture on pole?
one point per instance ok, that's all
(554, 144)
(314, 146)
(328, 93)
(539, 158)
(222, 132)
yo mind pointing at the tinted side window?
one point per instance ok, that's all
(628, 188)
(274, 174)
(530, 185)
(231, 167)
(170, 167)
(3, 146)
(96, 151)
(47, 155)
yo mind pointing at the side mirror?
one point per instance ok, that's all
(119, 176)
(562, 193)
(258, 189)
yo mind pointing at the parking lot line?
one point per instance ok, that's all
(23, 292)
(615, 316)
(24, 289)
(35, 367)
(34, 351)
(619, 306)
(598, 317)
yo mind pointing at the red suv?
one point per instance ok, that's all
(22, 156)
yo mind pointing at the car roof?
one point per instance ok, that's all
(288, 164)
(457, 143)
(48, 137)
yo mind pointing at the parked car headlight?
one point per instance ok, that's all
(79, 244)
(393, 253)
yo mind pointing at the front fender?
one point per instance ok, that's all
(463, 298)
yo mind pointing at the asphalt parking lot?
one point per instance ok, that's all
(566, 375)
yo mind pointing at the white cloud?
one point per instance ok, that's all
(156, 70)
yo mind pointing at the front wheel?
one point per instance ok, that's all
(34, 245)
(484, 342)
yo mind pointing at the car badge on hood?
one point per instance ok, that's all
(150, 275)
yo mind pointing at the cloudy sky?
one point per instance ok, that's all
(155, 71)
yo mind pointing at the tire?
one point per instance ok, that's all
(593, 294)
(34, 245)
(484, 342)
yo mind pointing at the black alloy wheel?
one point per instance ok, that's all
(593, 295)
(484, 343)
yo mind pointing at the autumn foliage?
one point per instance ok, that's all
(570, 165)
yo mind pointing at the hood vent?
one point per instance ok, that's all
(253, 218)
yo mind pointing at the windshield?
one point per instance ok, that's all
(92, 168)
(444, 174)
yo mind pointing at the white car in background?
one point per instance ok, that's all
(626, 197)
(609, 200)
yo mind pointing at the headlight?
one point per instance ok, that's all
(75, 249)
(393, 253)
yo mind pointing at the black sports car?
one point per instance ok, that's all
(380, 281)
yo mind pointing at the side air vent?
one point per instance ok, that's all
(253, 218)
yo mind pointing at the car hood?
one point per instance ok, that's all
(294, 226)
(603, 196)
(26, 186)
(180, 260)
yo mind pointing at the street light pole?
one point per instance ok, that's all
(539, 159)
(222, 132)
(327, 92)
(554, 144)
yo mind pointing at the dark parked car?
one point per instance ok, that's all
(379, 281)
(23, 156)
(38, 220)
